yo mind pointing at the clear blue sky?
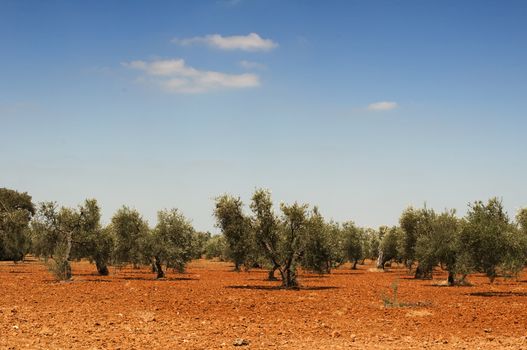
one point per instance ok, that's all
(360, 107)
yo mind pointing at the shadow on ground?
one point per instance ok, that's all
(260, 287)
(152, 278)
(498, 294)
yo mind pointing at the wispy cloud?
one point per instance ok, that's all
(174, 75)
(250, 42)
(252, 65)
(382, 106)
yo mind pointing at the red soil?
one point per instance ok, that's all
(209, 307)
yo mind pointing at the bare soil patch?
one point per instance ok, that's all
(212, 307)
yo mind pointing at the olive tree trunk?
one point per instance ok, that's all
(159, 268)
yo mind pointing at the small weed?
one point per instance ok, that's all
(393, 301)
(60, 269)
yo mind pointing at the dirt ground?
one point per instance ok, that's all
(211, 307)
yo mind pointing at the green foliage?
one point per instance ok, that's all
(317, 244)
(425, 222)
(130, 232)
(293, 230)
(437, 242)
(64, 234)
(371, 243)
(336, 241)
(485, 238)
(280, 238)
(237, 230)
(52, 233)
(171, 242)
(60, 266)
(16, 210)
(45, 231)
(521, 220)
(409, 222)
(216, 247)
(354, 246)
(199, 244)
(89, 239)
(267, 231)
(515, 256)
(388, 247)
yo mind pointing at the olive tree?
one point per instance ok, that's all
(16, 210)
(438, 244)
(89, 239)
(266, 228)
(280, 238)
(354, 238)
(318, 250)
(336, 241)
(293, 230)
(485, 237)
(425, 220)
(236, 228)
(53, 230)
(371, 244)
(409, 223)
(130, 231)
(389, 243)
(64, 234)
(420, 229)
(171, 241)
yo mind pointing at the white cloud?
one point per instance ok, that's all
(252, 65)
(382, 106)
(176, 76)
(250, 42)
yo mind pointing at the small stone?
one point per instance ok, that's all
(335, 334)
(241, 342)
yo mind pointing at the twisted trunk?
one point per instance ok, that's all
(380, 261)
(102, 268)
(271, 276)
(451, 278)
(159, 268)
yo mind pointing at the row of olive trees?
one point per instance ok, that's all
(67, 234)
(485, 240)
(61, 234)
